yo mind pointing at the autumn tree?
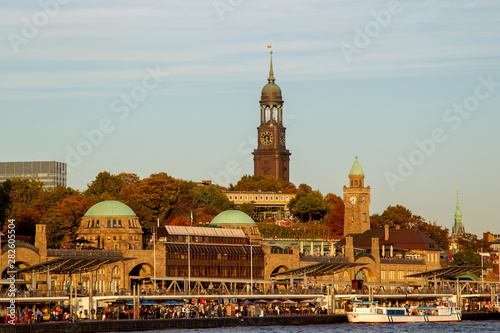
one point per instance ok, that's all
(212, 196)
(105, 187)
(5, 188)
(64, 218)
(435, 232)
(335, 218)
(472, 242)
(265, 183)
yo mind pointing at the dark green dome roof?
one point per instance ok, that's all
(232, 217)
(110, 208)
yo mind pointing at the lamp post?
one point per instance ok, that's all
(251, 268)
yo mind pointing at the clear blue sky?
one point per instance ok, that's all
(359, 78)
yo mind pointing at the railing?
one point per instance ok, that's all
(83, 253)
(400, 261)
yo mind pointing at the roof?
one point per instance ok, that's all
(400, 239)
(205, 231)
(213, 248)
(451, 272)
(110, 208)
(73, 264)
(233, 217)
(356, 169)
(318, 269)
(271, 92)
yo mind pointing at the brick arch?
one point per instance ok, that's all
(28, 255)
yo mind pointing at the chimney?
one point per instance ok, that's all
(386, 234)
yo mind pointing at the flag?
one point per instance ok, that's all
(269, 46)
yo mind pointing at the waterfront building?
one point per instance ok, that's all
(51, 173)
(271, 156)
(268, 205)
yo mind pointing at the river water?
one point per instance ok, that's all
(461, 327)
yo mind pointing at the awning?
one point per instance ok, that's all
(318, 269)
(451, 272)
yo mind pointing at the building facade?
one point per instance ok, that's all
(51, 173)
(271, 156)
(268, 205)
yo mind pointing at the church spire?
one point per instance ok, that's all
(271, 78)
(458, 228)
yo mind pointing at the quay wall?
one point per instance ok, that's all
(162, 324)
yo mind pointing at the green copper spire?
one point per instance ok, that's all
(458, 213)
(271, 78)
(356, 169)
(458, 229)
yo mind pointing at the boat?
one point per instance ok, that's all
(371, 312)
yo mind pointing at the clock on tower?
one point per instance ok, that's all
(271, 156)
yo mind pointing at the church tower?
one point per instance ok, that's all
(356, 202)
(458, 229)
(271, 156)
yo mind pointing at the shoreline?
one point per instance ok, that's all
(164, 324)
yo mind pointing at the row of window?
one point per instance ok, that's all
(215, 256)
(391, 275)
(113, 224)
(206, 239)
(214, 271)
(262, 198)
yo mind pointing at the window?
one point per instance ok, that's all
(391, 275)
(364, 217)
(267, 198)
(382, 275)
(230, 197)
(114, 223)
(129, 224)
(97, 224)
(109, 223)
(92, 223)
(119, 223)
(246, 197)
(281, 198)
(400, 275)
(114, 237)
(276, 198)
(241, 197)
(286, 198)
(355, 182)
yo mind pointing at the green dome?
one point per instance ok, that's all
(356, 169)
(110, 208)
(232, 217)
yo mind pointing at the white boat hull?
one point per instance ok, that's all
(383, 318)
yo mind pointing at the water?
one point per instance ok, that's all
(461, 327)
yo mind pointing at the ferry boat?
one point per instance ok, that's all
(371, 312)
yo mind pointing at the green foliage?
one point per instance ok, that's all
(466, 258)
(248, 208)
(263, 183)
(308, 206)
(396, 215)
(297, 231)
(437, 233)
(212, 195)
(105, 187)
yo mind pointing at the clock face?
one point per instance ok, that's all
(266, 138)
(353, 199)
(282, 138)
(363, 199)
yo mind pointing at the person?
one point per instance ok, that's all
(38, 315)
(22, 316)
(92, 314)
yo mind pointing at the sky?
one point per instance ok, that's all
(410, 87)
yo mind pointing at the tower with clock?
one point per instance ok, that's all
(271, 156)
(356, 202)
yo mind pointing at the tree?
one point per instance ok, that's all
(5, 188)
(466, 258)
(64, 218)
(305, 188)
(308, 205)
(437, 233)
(472, 242)
(335, 218)
(248, 208)
(105, 186)
(265, 183)
(396, 215)
(212, 195)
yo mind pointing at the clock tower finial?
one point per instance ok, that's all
(271, 156)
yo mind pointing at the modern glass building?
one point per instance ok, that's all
(51, 173)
